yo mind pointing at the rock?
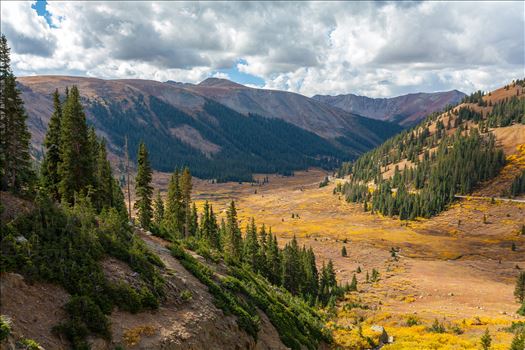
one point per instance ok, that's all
(450, 294)
(383, 338)
(20, 239)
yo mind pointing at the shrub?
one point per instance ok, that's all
(5, 327)
(29, 344)
(436, 327)
(412, 321)
(186, 295)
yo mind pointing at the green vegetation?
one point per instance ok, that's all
(507, 112)
(143, 188)
(65, 246)
(16, 173)
(78, 218)
(29, 344)
(243, 290)
(5, 327)
(486, 340)
(248, 145)
(457, 163)
(518, 185)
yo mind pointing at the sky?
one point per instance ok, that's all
(376, 49)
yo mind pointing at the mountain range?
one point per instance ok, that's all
(405, 110)
(221, 129)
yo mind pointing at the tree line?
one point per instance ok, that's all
(177, 218)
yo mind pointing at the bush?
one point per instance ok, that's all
(29, 344)
(186, 295)
(436, 327)
(412, 321)
(64, 245)
(5, 327)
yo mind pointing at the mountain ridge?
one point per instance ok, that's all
(200, 126)
(405, 110)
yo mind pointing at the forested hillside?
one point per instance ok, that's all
(76, 235)
(418, 172)
(187, 125)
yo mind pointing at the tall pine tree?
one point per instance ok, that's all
(15, 161)
(143, 189)
(52, 157)
(76, 167)
(173, 218)
(233, 238)
(158, 213)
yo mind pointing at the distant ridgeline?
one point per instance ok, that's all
(447, 154)
(247, 145)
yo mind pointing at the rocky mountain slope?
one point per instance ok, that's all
(406, 110)
(220, 129)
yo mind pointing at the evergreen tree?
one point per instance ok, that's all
(486, 340)
(158, 210)
(104, 179)
(186, 187)
(173, 217)
(52, 157)
(263, 249)
(193, 227)
(233, 238)
(311, 277)
(15, 161)
(291, 277)
(343, 252)
(76, 167)
(518, 342)
(143, 189)
(251, 246)
(353, 284)
(273, 260)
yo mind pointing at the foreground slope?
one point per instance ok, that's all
(405, 110)
(186, 124)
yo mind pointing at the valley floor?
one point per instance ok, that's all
(457, 268)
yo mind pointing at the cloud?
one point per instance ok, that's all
(369, 48)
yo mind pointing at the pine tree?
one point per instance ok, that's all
(76, 168)
(16, 173)
(186, 187)
(193, 227)
(52, 157)
(291, 277)
(343, 252)
(104, 179)
(263, 249)
(143, 189)
(251, 246)
(353, 284)
(273, 260)
(375, 275)
(204, 224)
(158, 210)
(519, 290)
(518, 341)
(173, 217)
(233, 238)
(486, 340)
(311, 276)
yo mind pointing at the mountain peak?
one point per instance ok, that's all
(219, 82)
